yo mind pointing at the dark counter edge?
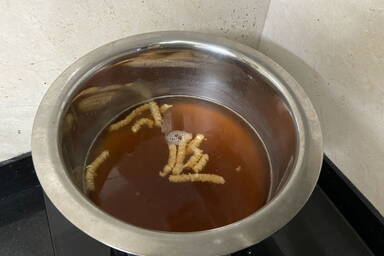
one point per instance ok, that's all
(353, 205)
(17, 175)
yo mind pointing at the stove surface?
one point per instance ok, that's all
(318, 230)
(31, 225)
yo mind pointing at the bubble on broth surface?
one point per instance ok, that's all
(175, 137)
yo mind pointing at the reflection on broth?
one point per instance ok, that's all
(178, 164)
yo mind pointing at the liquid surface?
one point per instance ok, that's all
(128, 185)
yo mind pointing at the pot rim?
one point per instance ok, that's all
(123, 236)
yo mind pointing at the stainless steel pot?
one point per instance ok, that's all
(126, 72)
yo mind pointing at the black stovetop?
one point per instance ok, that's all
(337, 220)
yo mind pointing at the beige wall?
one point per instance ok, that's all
(335, 49)
(38, 39)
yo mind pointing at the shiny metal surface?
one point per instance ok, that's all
(129, 71)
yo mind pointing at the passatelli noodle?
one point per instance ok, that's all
(192, 161)
(193, 148)
(164, 108)
(155, 111)
(201, 164)
(91, 170)
(171, 160)
(127, 120)
(197, 177)
(139, 123)
(195, 143)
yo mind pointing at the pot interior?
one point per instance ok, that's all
(149, 73)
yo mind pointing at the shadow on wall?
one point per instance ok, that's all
(320, 92)
(247, 37)
(240, 20)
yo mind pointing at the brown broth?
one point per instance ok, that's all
(128, 185)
